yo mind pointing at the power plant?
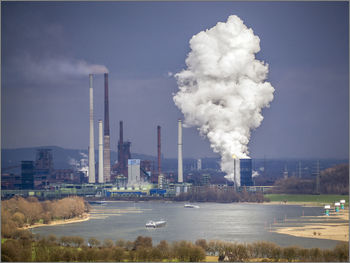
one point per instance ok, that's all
(124, 170)
(127, 173)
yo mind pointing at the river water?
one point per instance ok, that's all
(235, 222)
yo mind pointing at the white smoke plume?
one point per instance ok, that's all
(255, 174)
(55, 69)
(72, 67)
(223, 90)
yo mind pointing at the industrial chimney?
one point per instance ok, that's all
(121, 148)
(179, 157)
(100, 153)
(159, 150)
(106, 138)
(91, 147)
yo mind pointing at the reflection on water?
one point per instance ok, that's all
(230, 222)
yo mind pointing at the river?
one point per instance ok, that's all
(235, 222)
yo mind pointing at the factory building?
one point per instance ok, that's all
(246, 178)
(121, 167)
(134, 179)
(43, 168)
(10, 181)
(161, 181)
(27, 175)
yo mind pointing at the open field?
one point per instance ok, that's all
(316, 199)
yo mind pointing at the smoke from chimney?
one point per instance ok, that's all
(223, 89)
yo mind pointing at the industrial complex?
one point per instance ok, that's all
(126, 177)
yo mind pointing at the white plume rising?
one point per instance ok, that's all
(223, 89)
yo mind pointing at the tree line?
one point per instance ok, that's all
(334, 180)
(27, 247)
(226, 194)
(19, 212)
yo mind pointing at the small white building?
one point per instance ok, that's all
(134, 179)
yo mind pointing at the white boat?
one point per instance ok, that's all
(154, 224)
(191, 206)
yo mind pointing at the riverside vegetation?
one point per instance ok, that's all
(21, 212)
(22, 246)
(220, 195)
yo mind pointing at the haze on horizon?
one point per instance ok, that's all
(45, 98)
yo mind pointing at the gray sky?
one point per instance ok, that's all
(304, 43)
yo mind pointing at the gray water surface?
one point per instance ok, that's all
(234, 222)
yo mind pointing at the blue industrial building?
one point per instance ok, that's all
(246, 172)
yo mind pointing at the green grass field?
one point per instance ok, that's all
(322, 199)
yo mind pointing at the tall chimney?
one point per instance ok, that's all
(179, 157)
(159, 152)
(121, 148)
(91, 147)
(100, 153)
(106, 138)
(121, 132)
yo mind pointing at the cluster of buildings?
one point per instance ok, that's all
(40, 174)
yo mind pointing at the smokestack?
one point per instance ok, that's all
(91, 147)
(106, 138)
(121, 149)
(100, 153)
(121, 132)
(159, 152)
(179, 157)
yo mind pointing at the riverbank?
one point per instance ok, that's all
(82, 218)
(333, 227)
(318, 200)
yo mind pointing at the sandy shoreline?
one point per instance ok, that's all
(82, 218)
(330, 227)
